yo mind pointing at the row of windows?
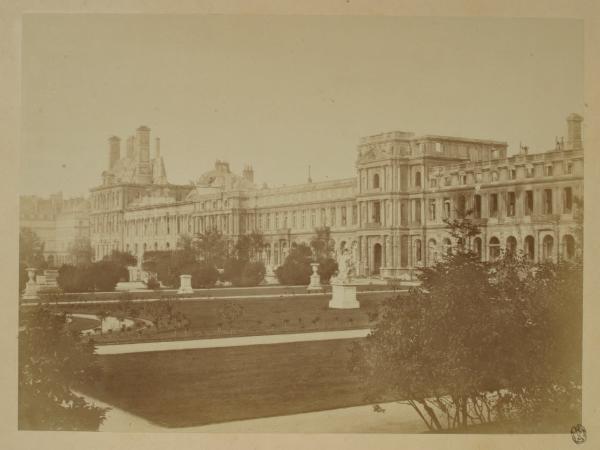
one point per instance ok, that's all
(307, 218)
(511, 174)
(511, 200)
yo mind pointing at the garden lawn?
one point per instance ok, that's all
(195, 387)
(258, 316)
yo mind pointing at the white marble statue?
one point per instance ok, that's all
(345, 266)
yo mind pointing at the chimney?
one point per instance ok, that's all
(248, 173)
(114, 151)
(131, 147)
(157, 148)
(574, 140)
(142, 140)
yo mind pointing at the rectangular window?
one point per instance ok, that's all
(432, 210)
(333, 217)
(376, 212)
(276, 221)
(323, 217)
(293, 219)
(549, 171)
(493, 205)
(447, 208)
(513, 174)
(569, 169)
(463, 179)
(547, 201)
(510, 204)
(313, 218)
(529, 173)
(354, 214)
(303, 219)
(268, 223)
(568, 200)
(433, 182)
(344, 216)
(528, 203)
(418, 211)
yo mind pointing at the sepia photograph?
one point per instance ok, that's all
(301, 224)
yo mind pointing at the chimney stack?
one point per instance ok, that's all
(131, 147)
(114, 151)
(248, 173)
(574, 141)
(157, 148)
(142, 140)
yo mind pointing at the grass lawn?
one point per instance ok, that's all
(258, 316)
(196, 387)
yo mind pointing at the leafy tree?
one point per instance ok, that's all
(323, 249)
(81, 250)
(296, 269)
(52, 362)
(211, 247)
(75, 278)
(478, 342)
(249, 246)
(253, 273)
(327, 267)
(106, 275)
(322, 244)
(31, 249)
(203, 274)
(123, 259)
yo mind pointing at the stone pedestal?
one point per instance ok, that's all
(315, 279)
(344, 296)
(185, 284)
(31, 287)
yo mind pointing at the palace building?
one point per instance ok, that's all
(390, 214)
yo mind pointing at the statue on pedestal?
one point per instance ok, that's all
(346, 267)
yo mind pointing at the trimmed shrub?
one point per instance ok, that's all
(327, 267)
(253, 274)
(203, 275)
(75, 278)
(296, 268)
(153, 284)
(106, 275)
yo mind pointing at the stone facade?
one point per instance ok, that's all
(58, 222)
(390, 215)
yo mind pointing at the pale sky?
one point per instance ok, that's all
(283, 92)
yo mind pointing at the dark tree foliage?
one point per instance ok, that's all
(168, 264)
(31, 249)
(249, 246)
(479, 342)
(211, 247)
(122, 258)
(52, 362)
(296, 269)
(204, 275)
(327, 267)
(81, 250)
(100, 276)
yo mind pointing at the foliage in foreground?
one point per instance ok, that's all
(52, 361)
(479, 342)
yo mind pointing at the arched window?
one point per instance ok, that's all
(477, 208)
(511, 245)
(447, 247)
(461, 205)
(494, 249)
(418, 251)
(547, 248)
(529, 248)
(568, 247)
(477, 247)
(376, 181)
(431, 251)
